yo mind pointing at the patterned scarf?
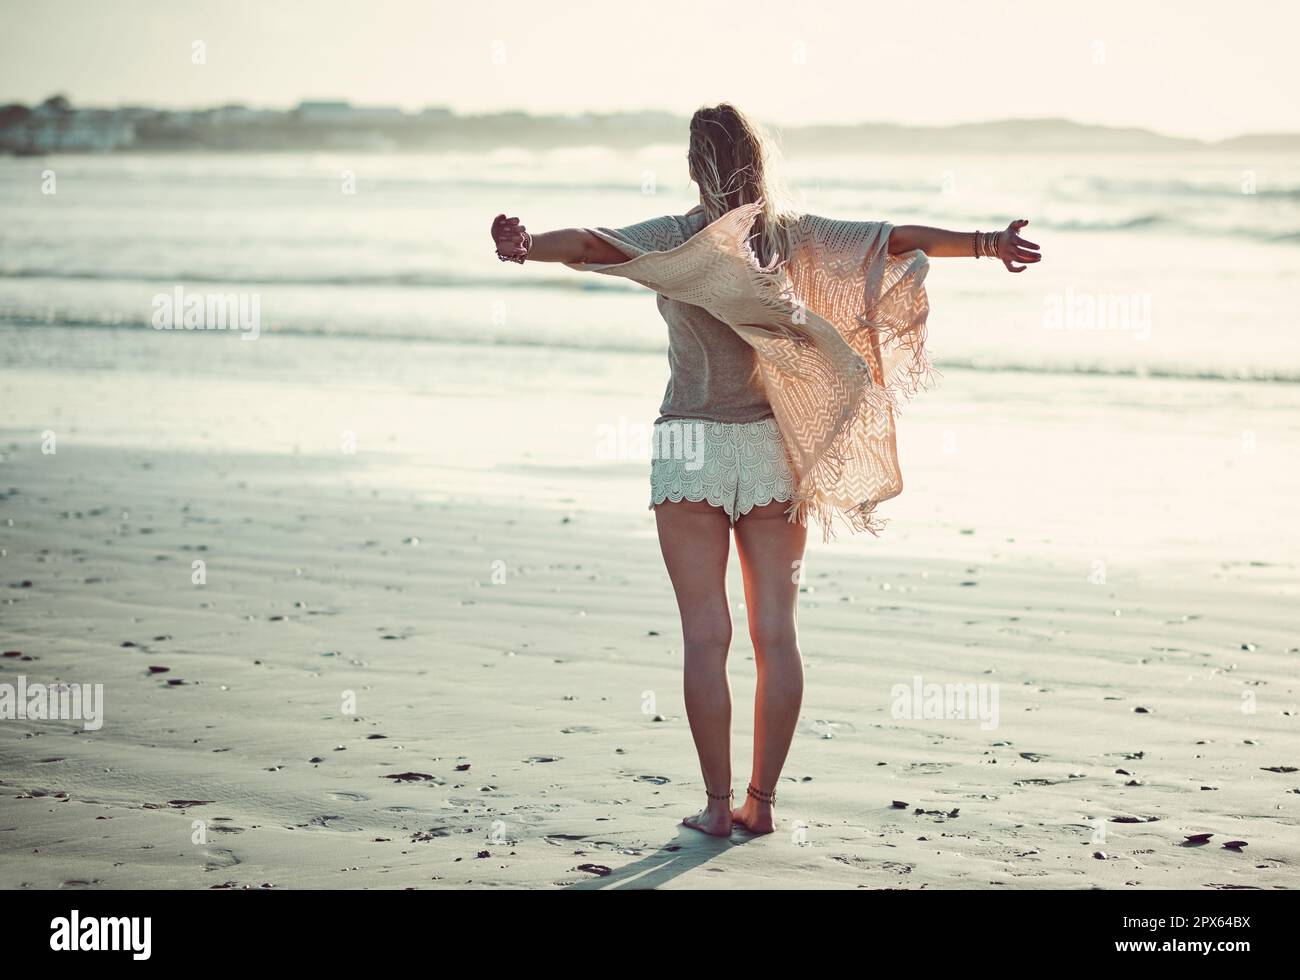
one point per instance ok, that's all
(838, 326)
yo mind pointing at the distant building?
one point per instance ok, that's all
(55, 126)
(332, 113)
(235, 115)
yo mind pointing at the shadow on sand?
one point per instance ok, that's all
(690, 850)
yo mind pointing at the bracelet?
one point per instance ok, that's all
(528, 246)
(986, 243)
(975, 243)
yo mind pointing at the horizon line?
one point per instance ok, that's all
(778, 127)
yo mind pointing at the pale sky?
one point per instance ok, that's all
(1190, 68)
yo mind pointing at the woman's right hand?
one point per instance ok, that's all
(1012, 248)
(508, 236)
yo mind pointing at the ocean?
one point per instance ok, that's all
(1182, 265)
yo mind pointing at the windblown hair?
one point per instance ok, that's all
(734, 162)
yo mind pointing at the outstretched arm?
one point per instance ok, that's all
(566, 245)
(937, 243)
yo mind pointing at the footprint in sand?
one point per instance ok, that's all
(825, 727)
(349, 797)
(218, 858)
(926, 768)
(334, 822)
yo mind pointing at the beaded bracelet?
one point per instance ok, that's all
(528, 245)
(986, 243)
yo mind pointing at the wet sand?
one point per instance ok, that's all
(472, 683)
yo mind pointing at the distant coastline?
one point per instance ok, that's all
(56, 126)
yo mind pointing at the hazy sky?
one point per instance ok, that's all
(1188, 68)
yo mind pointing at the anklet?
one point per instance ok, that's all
(729, 795)
(762, 797)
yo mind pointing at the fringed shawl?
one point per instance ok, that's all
(838, 326)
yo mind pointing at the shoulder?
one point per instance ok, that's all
(837, 231)
(654, 234)
(818, 223)
(693, 220)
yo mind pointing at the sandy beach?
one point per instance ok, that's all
(450, 657)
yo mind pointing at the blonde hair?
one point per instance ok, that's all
(735, 162)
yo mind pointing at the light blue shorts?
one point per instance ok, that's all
(733, 465)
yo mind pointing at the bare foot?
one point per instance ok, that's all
(714, 819)
(755, 816)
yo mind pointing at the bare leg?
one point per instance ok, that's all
(769, 545)
(694, 539)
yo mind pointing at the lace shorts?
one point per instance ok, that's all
(735, 466)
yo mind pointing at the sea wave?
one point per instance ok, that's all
(474, 336)
(255, 277)
(443, 278)
(1166, 187)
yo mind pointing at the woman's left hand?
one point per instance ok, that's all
(1013, 248)
(508, 236)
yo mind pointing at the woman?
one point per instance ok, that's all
(791, 339)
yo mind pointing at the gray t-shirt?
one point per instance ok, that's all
(712, 371)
